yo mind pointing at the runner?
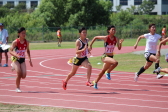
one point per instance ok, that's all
(159, 69)
(18, 56)
(150, 50)
(59, 37)
(81, 58)
(109, 63)
(3, 41)
(164, 30)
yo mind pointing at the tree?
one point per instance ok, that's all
(147, 6)
(118, 8)
(53, 12)
(88, 12)
(132, 9)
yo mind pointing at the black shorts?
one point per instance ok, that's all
(105, 55)
(78, 61)
(147, 56)
(1, 51)
(21, 60)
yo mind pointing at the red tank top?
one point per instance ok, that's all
(110, 44)
(21, 48)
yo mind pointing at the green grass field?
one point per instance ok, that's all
(66, 45)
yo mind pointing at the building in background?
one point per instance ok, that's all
(28, 3)
(161, 6)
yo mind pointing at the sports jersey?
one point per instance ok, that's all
(3, 36)
(163, 31)
(110, 44)
(85, 52)
(21, 48)
(151, 42)
(59, 33)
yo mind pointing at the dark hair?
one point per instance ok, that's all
(20, 30)
(109, 27)
(151, 25)
(81, 29)
(59, 28)
(164, 26)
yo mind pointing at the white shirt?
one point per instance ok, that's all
(151, 42)
(3, 36)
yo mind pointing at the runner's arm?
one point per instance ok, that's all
(139, 38)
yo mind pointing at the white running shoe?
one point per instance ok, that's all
(159, 76)
(18, 90)
(136, 77)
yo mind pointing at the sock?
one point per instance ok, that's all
(156, 66)
(141, 71)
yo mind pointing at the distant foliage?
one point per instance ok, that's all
(42, 23)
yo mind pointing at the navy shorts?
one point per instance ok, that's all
(78, 61)
(1, 51)
(105, 55)
(147, 56)
(21, 60)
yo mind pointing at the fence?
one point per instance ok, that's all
(48, 34)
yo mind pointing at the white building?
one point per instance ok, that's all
(28, 3)
(161, 6)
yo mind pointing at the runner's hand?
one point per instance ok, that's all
(31, 64)
(121, 40)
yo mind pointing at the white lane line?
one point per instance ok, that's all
(121, 92)
(85, 102)
(98, 96)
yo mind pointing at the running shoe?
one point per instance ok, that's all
(89, 84)
(18, 90)
(95, 85)
(159, 76)
(64, 84)
(157, 70)
(108, 76)
(5, 65)
(136, 77)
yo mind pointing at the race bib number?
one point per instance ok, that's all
(21, 53)
(109, 48)
(84, 53)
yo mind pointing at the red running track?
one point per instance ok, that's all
(43, 86)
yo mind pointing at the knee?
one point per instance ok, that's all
(89, 66)
(23, 76)
(115, 63)
(103, 71)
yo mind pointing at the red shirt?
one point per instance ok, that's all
(21, 48)
(110, 44)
